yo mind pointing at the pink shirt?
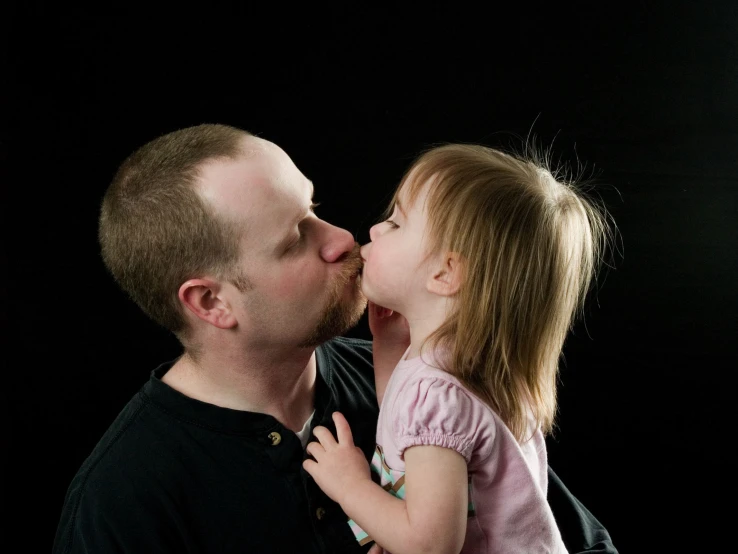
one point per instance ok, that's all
(508, 511)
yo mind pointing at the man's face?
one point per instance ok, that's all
(303, 271)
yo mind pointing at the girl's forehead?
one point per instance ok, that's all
(414, 189)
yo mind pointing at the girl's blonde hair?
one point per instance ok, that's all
(531, 246)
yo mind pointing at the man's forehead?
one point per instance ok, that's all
(266, 161)
(252, 146)
(260, 182)
(254, 161)
(228, 178)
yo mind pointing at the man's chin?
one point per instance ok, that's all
(339, 317)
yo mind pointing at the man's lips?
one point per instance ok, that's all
(358, 271)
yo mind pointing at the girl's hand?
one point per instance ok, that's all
(388, 327)
(391, 338)
(339, 465)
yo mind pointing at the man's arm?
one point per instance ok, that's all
(98, 520)
(581, 531)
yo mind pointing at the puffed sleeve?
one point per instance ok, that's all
(434, 411)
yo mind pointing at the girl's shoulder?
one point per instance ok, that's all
(432, 407)
(422, 388)
(411, 373)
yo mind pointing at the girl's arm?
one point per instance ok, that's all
(390, 340)
(431, 519)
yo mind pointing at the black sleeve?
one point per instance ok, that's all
(581, 531)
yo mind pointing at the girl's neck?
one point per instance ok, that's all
(424, 324)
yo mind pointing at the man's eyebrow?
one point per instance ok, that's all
(301, 216)
(288, 237)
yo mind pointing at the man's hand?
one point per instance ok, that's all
(339, 465)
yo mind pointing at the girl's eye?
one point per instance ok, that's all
(392, 224)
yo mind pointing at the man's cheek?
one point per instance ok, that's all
(293, 284)
(284, 287)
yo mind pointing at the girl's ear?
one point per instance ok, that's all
(448, 275)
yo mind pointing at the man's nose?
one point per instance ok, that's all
(340, 242)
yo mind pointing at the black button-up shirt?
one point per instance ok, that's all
(173, 474)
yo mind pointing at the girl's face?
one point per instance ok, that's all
(395, 267)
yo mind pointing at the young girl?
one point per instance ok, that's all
(489, 259)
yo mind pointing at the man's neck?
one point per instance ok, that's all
(277, 385)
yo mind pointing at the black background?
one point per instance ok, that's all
(644, 98)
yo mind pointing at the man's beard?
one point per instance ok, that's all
(341, 314)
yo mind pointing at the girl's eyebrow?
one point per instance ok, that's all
(399, 207)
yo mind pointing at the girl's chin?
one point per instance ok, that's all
(371, 298)
(368, 293)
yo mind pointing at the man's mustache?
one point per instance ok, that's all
(353, 262)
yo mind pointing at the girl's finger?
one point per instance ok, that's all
(310, 466)
(343, 429)
(379, 311)
(324, 436)
(314, 448)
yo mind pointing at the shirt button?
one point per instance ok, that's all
(319, 513)
(275, 437)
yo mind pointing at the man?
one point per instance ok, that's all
(211, 231)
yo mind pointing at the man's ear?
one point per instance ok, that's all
(447, 276)
(205, 299)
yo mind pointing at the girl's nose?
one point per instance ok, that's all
(373, 231)
(365, 251)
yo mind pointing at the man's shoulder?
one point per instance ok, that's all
(119, 448)
(344, 344)
(350, 342)
(346, 355)
(121, 460)
(347, 363)
(106, 485)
